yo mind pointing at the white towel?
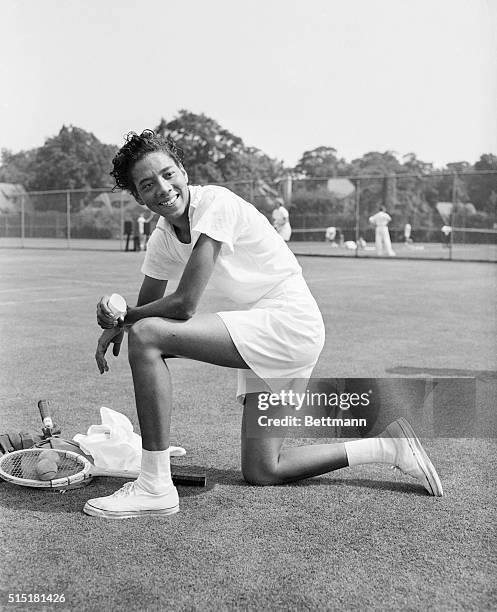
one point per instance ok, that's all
(113, 444)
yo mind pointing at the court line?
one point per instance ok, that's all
(44, 288)
(37, 301)
(50, 287)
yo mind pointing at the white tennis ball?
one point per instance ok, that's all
(117, 305)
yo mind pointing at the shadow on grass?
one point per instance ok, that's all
(484, 375)
(234, 478)
(66, 502)
(59, 501)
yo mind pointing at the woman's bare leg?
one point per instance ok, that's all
(265, 462)
(203, 337)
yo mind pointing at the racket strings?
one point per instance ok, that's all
(23, 465)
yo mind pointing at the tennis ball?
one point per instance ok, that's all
(46, 469)
(51, 455)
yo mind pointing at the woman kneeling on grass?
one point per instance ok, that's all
(207, 235)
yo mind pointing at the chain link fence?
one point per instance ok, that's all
(436, 216)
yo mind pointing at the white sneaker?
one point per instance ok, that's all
(132, 501)
(411, 458)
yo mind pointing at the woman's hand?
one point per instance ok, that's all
(114, 336)
(105, 318)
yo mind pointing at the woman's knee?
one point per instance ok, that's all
(260, 456)
(142, 337)
(260, 473)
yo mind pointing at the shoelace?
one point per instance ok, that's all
(124, 490)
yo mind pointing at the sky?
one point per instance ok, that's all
(287, 76)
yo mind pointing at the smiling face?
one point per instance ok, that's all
(162, 185)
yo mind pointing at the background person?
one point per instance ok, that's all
(330, 235)
(407, 234)
(140, 222)
(128, 232)
(281, 220)
(382, 236)
(136, 235)
(446, 231)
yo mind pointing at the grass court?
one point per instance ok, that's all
(361, 538)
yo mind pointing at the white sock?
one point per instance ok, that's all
(371, 450)
(155, 475)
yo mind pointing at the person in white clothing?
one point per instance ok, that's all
(446, 231)
(209, 236)
(382, 236)
(281, 221)
(140, 222)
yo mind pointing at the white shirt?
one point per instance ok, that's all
(252, 261)
(381, 219)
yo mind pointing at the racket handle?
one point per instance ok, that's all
(48, 424)
(188, 479)
(44, 408)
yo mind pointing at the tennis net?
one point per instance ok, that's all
(460, 243)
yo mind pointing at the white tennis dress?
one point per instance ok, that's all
(279, 329)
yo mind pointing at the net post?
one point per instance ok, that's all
(357, 214)
(23, 229)
(68, 218)
(453, 213)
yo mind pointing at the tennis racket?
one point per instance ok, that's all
(74, 470)
(24, 468)
(19, 468)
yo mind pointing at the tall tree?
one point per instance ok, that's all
(321, 162)
(214, 154)
(482, 188)
(376, 163)
(18, 167)
(74, 159)
(381, 188)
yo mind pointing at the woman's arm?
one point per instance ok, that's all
(151, 290)
(182, 303)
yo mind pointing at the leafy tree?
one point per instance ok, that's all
(213, 154)
(482, 188)
(416, 192)
(18, 167)
(74, 159)
(376, 192)
(413, 165)
(486, 162)
(375, 163)
(321, 162)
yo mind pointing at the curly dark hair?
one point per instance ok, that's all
(135, 148)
